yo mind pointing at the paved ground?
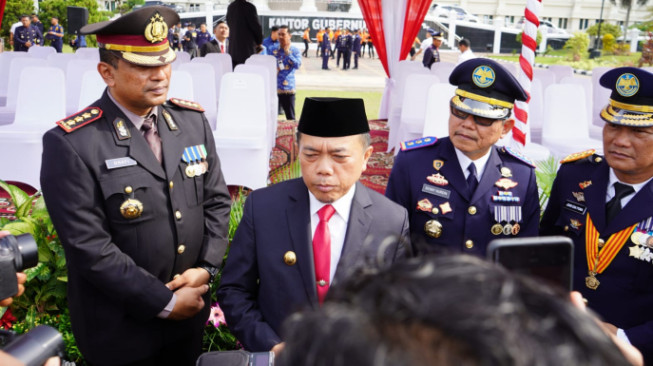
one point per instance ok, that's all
(369, 76)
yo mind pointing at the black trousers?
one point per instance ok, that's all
(305, 53)
(287, 102)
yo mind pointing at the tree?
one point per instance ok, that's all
(58, 8)
(13, 10)
(628, 4)
(538, 38)
(127, 6)
(606, 28)
(578, 44)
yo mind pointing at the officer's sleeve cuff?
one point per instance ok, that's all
(168, 309)
(621, 334)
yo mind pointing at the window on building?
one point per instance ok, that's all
(562, 23)
(584, 24)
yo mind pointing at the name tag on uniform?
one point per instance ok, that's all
(119, 163)
(575, 207)
(437, 191)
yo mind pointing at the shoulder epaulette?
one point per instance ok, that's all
(516, 154)
(187, 104)
(80, 119)
(417, 143)
(578, 156)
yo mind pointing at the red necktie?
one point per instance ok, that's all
(221, 48)
(322, 251)
(152, 136)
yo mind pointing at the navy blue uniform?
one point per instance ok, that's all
(23, 35)
(348, 45)
(430, 184)
(624, 296)
(431, 56)
(356, 49)
(56, 40)
(325, 45)
(190, 44)
(202, 38)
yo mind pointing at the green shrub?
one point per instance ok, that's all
(609, 43)
(578, 44)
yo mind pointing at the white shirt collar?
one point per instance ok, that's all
(479, 163)
(613, 179)
(342, 204)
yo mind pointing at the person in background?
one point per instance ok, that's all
(356, 47)
(12, 30)
(26, 35)
(464, 45)
(190, 41)
(203, 36)
(325, 47)
(245, 32)
(289, 59)
(306, 37)
(426, 43)
(272, 41)
(37, 23)
(432, 54)
(221, 42)
(605, 205)
(319, 36)
(55, 35)
(416, 44)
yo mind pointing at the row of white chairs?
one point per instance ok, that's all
(243, 129)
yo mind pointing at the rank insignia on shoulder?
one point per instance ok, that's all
(417, 143)
(578, 156)
(187, 104)
(79, 119)
(516, 154)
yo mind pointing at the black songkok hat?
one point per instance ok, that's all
(333, 117)
(631, 101)
(485, 88)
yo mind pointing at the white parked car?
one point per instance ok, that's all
(448, 11)
(546, 27)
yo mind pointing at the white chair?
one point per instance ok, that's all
(271, 99)
(22, 139)
(203, 88)
(218, 70)
(182, 58)
(600, 96)
(565, 128)
(270, 63)
(91, 89)
(436, 122)
(88, 53)
(536, 111)
(403, 69)
(223, 59)
(413, 107)
(561, 71)
(545, 76)
(60, 60)
(17, 65)
(41, 51)
(5, 64)
(181, 85)
(442, 70)
(240, 136)
(586, 83)
(74, 77)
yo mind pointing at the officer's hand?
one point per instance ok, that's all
(28, 43)
(192, 277)
(189, 302)
(278, 348)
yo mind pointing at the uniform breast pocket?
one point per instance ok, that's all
(129, 197)
(571, 222)
(193, 184)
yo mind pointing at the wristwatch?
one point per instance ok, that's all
(213, 271)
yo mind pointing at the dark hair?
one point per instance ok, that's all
(274, 28)
(464, 42)
(23, 16)
(445, 310)
(283, 27)
(220, 22)
(110, 57)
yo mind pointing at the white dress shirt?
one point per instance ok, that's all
(337, 224)
(480, 163)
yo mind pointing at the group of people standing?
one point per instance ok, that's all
(343, 43)
(29, 32)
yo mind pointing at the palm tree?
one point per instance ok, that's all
(629, 5)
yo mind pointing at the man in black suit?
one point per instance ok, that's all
(299, 237)
(246, 31)
(135, 192)
(220, 44)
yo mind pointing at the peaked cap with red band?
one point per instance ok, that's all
(140, 37)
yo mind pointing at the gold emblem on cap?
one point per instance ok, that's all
(627, 85)
(483, 76)
(433, 228)
(157, 30)
(131, 208)
(290, 258)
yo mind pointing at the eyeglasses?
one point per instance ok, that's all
(487, 122)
